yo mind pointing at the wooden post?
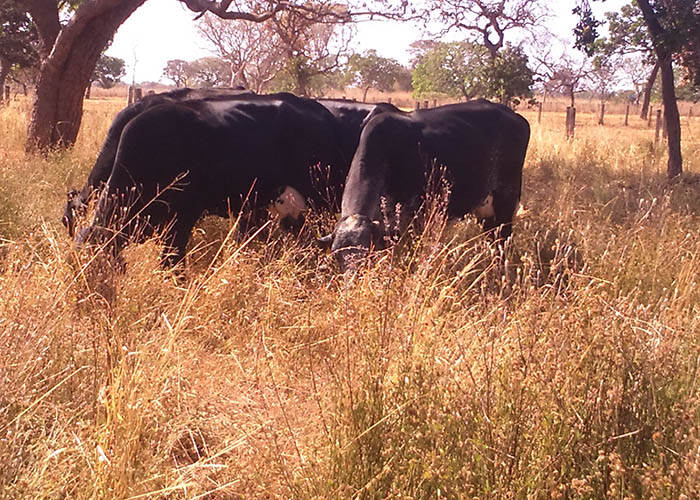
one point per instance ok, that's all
(138, 94)
(151, 92)
(539, 112)
(426, 105)
(570, 122)
(130, 96)
(417, 104)
(601, 118)
(388, 100)
(664, 127)
(435, 103)
(651, 112)
(658, 127)
(627, 115)
(7, 94)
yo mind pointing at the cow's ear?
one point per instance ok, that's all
(325, 242)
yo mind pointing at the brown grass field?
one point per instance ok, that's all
(565, 366)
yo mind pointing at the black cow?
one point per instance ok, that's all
(481, 145)
(176, 161)
(350, 116)
(77, 200)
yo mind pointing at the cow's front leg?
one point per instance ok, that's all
(176, 240)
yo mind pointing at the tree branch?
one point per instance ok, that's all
(45, 16)
(220, 9)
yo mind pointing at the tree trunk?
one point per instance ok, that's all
(647, 90)
(673, 120)
(4, 71)
(65, 73)
(571, 95)
(668, 90)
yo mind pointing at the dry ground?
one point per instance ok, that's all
(565, 366)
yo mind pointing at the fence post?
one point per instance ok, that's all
(570, 122)
(539, 112)
(388, 100)
(627, 115)
(664, 125)
(130, 96)
(658, 127)
(602, 114)
(417, 104)
(426, 104)
(651, 112)
(138, 94)
(435, 103)
(7, 94)
(151, 92)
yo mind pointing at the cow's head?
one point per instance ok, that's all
(290, 206)
(74, 207)
(352, 239)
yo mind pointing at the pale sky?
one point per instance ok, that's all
(162, 30)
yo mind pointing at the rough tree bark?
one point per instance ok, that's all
(673, 120)
(69, 55)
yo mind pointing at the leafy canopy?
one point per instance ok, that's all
(463, 69)
(18, 36)
(372, 71)
(108, 71)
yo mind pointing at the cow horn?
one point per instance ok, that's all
(325, 242)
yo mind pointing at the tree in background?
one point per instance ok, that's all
(508, 77)
(108, 71)
(25, 77)
(252, 50)
(487, 21)
(674, 29)
(314, 49)
(628, 37)
(604, 75)
(296, 50)
(177, 70)
(453, 69)
(463, 69)
(637, 72)
(18, 41)
(559, 71)
(371, 71)
(209, 72)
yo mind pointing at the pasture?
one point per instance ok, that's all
(563, 366)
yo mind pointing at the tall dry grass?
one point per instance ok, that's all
(563, 366)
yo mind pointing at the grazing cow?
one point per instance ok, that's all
(177, 160)
(77, 200)
(350, 116)
(481, 145)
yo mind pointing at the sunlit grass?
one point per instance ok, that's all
(563, 366)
